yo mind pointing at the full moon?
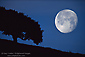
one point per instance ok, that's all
(66, 21)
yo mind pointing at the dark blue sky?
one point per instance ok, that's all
(44, 12)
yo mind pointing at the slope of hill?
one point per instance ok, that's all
(11, 49)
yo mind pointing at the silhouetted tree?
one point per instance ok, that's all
(19, 26)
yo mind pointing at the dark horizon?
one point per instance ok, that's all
(16, 49)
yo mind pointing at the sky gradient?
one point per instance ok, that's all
(44, 12)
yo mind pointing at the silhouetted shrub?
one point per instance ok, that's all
(19, 26)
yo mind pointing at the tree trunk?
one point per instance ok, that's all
(15, 39)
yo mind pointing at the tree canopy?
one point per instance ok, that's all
(19, 26)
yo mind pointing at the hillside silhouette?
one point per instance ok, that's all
(35, 51)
